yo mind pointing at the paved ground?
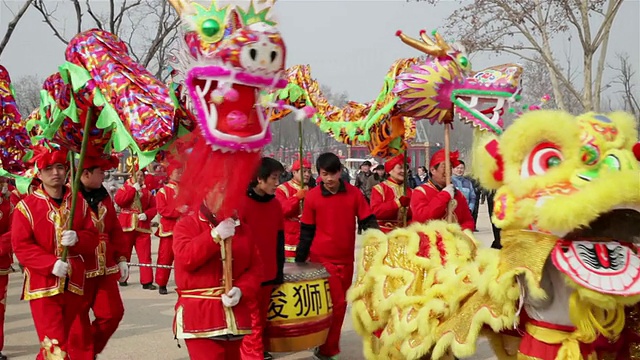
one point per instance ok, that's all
(145, 333)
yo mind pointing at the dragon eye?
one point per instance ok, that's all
(542, 158)
(210, 27)
(463, 61)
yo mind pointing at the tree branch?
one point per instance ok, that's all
(95, 18)
(12, 25)
(46, 18)
(78, 9)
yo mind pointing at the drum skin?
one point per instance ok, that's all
(300, 310)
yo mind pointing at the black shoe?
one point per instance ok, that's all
(121, 283)
(163, 290)
(3, 357)
(149, 286)
(268, 356)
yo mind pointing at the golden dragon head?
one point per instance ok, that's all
(577, 181)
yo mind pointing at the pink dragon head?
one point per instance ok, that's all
(233, 56)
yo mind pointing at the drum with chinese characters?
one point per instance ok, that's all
(300, 310)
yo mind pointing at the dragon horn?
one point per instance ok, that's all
(179, 5)
(426, 38)
(426, 48)
(441, 42)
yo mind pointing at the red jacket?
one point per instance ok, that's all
(37, 224)
(112, 247)
(385, 204)
(132, 203)
(165, 205)
(153, 182)
(328, 224)
(286, 195)
(6, 254)
(263, 215)
(429, 203)
(199, 273)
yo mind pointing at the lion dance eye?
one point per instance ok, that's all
(542, 158)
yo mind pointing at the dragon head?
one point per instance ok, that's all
(577, 181)
(432, 90)
(232, 55)
(485, 96)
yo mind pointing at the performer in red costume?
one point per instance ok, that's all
(165, 203)
(388, 203)
(137, 208)
(104, 267)
(263, 216)
(6, 254)
(290, 195)
(328, 237)
(40, 221)
(211, 322)
(430, 200)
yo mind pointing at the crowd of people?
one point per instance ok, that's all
(299, 218)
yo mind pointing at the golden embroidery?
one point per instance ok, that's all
(51, 349)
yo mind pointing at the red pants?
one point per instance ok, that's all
(87, 339)
(142, 243)
(52, 317)
(340, 279)
(4, 281)
(165, 257)
(206, 349)
(253, 344)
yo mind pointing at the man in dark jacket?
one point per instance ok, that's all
(362, 177)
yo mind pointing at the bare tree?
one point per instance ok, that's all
(147, 26)
(526, 28)
(27, 93)
(626, 78)
(13, 23)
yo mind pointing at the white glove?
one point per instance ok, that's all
(61, 269)
(232, 298)
(224, 230)
(450, 189)
(5, 190)
(124, 271)
(142, 217)
(183, 209)
(137, 187)
(69, 238)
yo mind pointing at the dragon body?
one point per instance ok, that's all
(567, 202)
(421, 88)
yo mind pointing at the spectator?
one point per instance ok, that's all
(362, 177)
(466, 187)
(422, 176)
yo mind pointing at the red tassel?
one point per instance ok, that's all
(492, 149)
(220, 179)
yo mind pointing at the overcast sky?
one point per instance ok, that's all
(349, 44)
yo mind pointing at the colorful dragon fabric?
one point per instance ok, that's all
(568, 204)
(14, 140)
(414, 89)
(231, 57)
(99, 82)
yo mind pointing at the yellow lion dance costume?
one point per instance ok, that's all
(567, 201)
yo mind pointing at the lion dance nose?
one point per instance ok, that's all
(636, 151)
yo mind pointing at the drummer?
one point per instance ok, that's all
(328, 237)
(263, 216)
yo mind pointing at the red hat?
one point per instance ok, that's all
(399, 159)
(43, 157)
(438, 158)
(173, 165)
(296, 165)
(104, 163)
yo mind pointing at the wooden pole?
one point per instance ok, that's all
(447, 167)
(405, 184)
(78, 174)
(228, 265)
(300, 154)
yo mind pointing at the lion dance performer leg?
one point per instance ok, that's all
(231, 56)
(53, 288)
(104, 267)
